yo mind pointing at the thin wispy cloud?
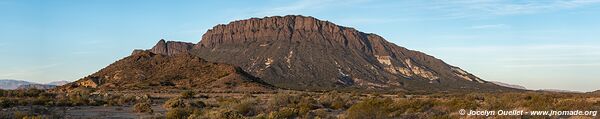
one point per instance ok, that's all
(304, 6)
(576, 65)
(490, 8)
(573, 47)
(491, 26)
(364, 21)
(91, 42)
(82, 52)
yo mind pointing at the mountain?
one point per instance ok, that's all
(289, 52)
(509, 85)
(9, 84)
(171, 47)
(305, 53)
(58, 83)
(36, 86)
(559, 91)
(146, 70)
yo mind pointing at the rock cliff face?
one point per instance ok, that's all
(170, 47)
(305, 53)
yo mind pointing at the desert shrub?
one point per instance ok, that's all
(306, 104)
(194, 116)
(19, 114)
(284, 113)
(322, 113)
(177, 113)
(401, 95)
(187, 94)
(174, 103)
(198, 104)
(261, 116)
(334, 100)
(539, 102)
(6, 102)
(373, 108)
(34, 117)
(32, 92)
(338, 104)
(412, 106)
(81, 91)
(460, 103)
(78, 99)
(282, 100)
(119, 100)
(126, 100)
(224, 114)
(376, 95)
(573, 104)
(143, 107)
(246, 107)
(497, 104)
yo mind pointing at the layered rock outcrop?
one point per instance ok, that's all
(301, 52)
(171, 47)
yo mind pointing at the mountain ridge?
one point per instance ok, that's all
(304, 53)
(147, 70)
(270, 47)
(11, 84)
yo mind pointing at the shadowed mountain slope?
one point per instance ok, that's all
(147, 70)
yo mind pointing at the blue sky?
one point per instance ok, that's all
(543, 44)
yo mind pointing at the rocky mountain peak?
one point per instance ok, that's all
(299, 52)
(170, 47)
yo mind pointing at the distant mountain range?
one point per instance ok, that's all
(509, 85)
(559, 91)
(10, 84)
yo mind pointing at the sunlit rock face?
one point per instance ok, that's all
(299, 52)
(170, 47)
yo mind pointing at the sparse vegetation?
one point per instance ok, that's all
(143, 107)
(299, 104)
(178, 113)
(187, 94)
(174, 103)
